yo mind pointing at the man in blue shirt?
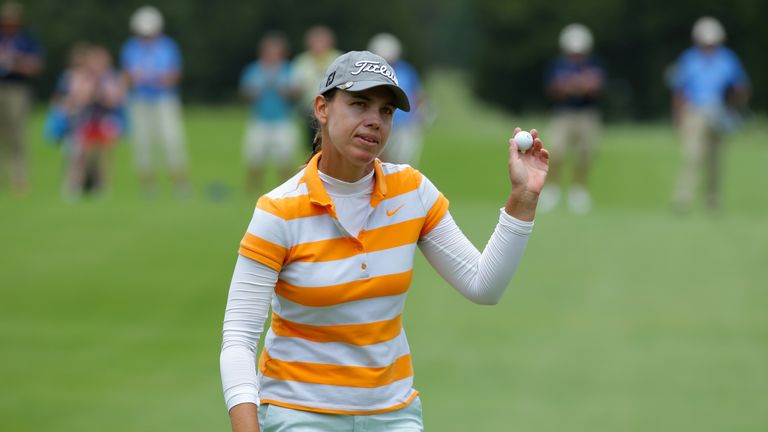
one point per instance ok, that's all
(573, 83)
(268, 84)
(152, 64)
(407, 136)
(20, 61)
(708, 81)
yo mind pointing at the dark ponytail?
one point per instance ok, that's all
(317, 141)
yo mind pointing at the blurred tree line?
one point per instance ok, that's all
(504, 45)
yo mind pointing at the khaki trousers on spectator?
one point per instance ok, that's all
(701, 151)
(578, 129)
(158, 122)
(14, 108)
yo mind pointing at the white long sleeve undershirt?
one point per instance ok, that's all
(480, 277)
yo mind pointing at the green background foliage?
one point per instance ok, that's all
(506, 45)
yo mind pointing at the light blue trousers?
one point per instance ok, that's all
(273, 418)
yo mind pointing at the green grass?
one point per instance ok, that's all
(629, 319)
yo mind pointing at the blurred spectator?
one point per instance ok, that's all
(708, 82)
(309, 68)
(88, 104)
(20, 60)
(407, 136)
(152, 64)
(573, 84)
(271, 132)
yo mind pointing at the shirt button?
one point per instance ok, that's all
(363, 266)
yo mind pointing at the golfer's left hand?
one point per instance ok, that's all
(528, 171)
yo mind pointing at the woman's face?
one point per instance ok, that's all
(356, 125)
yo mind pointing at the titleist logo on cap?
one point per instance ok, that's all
(357, 71)
(374, 67)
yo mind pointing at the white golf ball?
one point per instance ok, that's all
(524, 140)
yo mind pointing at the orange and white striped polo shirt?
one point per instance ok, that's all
(336, 343)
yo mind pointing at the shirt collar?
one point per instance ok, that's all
(318, 195)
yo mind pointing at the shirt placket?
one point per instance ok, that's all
(358, 244)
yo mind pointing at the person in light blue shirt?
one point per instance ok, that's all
(409, 81)
(407, 138)
(152, 65)
(708, 83)
(271, 135)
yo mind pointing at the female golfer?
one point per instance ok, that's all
(332, 250)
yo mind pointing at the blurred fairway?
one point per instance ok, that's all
(630, 319)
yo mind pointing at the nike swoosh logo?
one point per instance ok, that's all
(391, 213)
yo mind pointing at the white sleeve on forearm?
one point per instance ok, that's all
(482, 278)
(250, 293)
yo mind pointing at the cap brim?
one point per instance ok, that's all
(401, 99)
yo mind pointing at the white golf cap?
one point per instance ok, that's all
(356, 71)
(576, 39)
(147, 21)
(708, 31)
(386, 45)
